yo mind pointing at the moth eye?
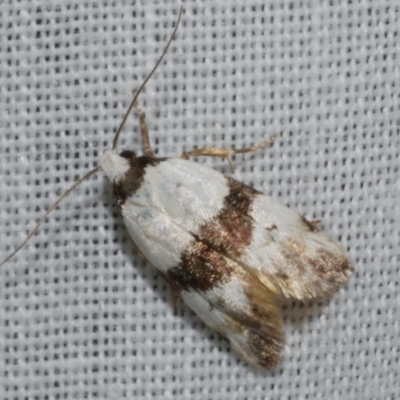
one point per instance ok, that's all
(127, 154)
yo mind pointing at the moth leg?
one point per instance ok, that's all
(226, 153)
(174, 297)
(315, 222)
(144, 130)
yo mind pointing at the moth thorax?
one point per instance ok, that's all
(127, 154)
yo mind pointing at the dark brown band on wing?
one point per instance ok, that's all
(230, 232)
(201, 269)
(203, 265)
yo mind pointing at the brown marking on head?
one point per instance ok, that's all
(230, 232)
(134, 177)
(201, 269)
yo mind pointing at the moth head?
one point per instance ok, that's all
(125, 171)
(116, 165)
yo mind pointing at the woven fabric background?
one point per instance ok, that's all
(81, 314)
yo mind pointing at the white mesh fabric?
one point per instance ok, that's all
(81, 314)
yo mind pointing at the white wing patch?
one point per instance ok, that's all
(292, 252)
(156, 235)
(189, 193)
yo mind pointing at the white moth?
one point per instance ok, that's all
(231, 252)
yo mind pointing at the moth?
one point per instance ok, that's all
(231, 252)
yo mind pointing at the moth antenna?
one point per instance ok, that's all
(49, 211)
(116, 137)
(115, 142)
